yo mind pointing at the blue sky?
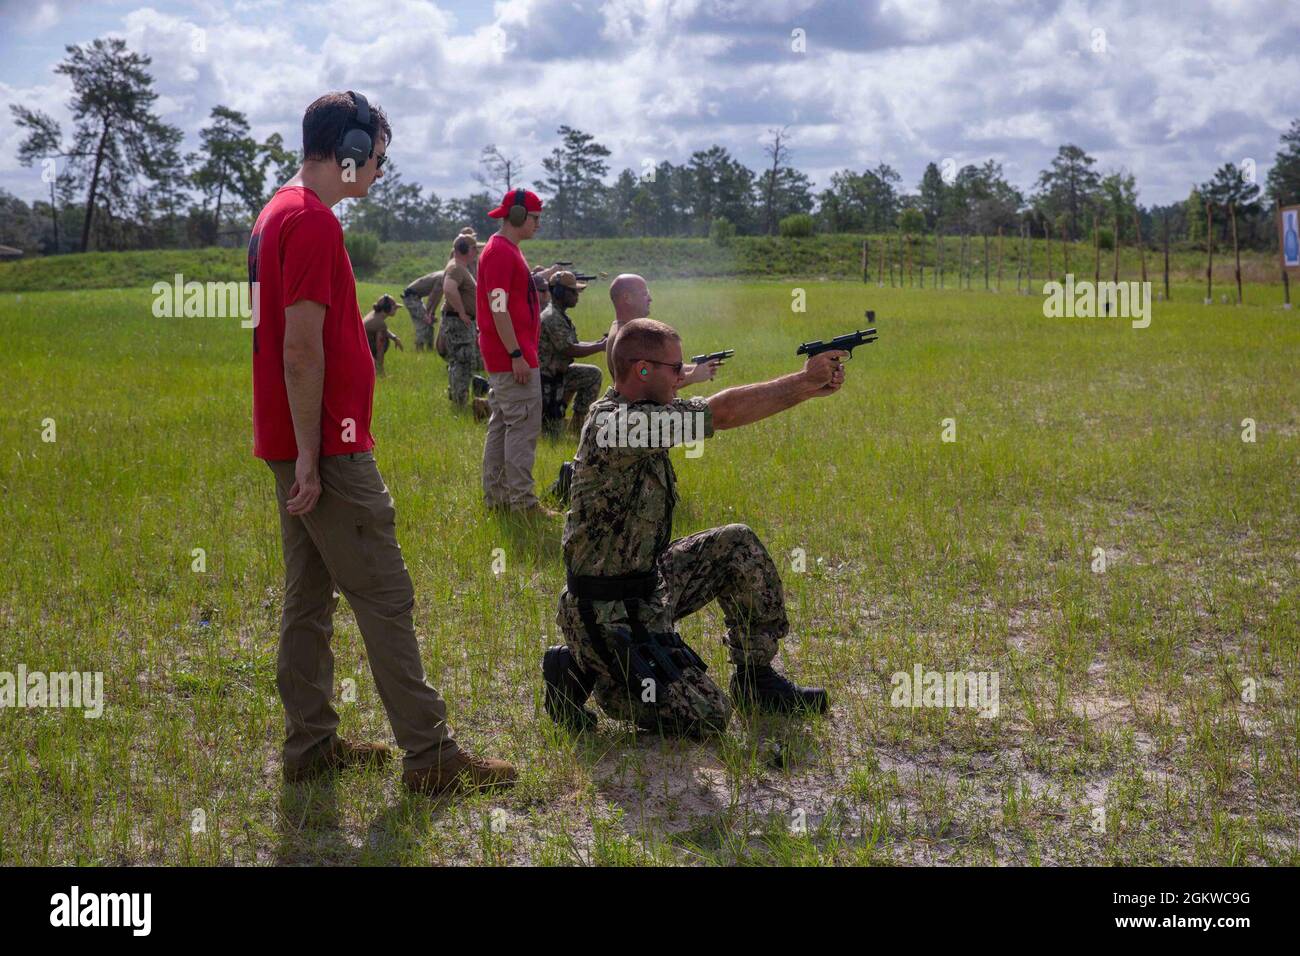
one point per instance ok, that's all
(1168, 89)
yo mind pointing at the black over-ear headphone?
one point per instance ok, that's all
(354, 139)
(518, 211)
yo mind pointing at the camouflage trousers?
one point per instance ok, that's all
(583, 381)
(727, 564)
(462, 356)
(420, 322)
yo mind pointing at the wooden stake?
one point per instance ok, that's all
(1142, 249)
(1281, 257)
(1116, 276)
(865, 245)
(1209, 254)
(1096, 265)
(1236, 251)
(999, 258)
(1167, 292)
(1020, 256)
(1047, 237)
(880, 269)
(1028, 241)
(986, 262)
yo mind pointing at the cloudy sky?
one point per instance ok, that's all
(1169, 89)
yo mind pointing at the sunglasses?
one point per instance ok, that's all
(379, 162)
(675, 366)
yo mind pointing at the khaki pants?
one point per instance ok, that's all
(349, 542)
(511, 444)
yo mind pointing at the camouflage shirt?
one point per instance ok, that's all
(557, 333)
(621, 500)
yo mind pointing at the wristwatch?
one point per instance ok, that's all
(517, 353)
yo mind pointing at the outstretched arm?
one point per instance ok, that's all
(745, 404)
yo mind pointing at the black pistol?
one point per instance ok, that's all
(841, 343)
(712, 356)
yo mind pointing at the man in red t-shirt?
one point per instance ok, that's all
(313, 384)
(509, 346)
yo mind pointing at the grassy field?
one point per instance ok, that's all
(1121, 692)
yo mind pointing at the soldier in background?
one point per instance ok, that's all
(377, 332)
(473, 266)
(458, 328)
(631, 298)
(422, 317)
(562, 378)
(628, 583)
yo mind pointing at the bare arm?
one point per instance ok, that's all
(304, 379)
(583, 349)
(610, 336)
(745, 404)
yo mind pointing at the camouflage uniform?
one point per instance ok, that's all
(413, 298)
(461, 336)
(582, 380)
(620, 523)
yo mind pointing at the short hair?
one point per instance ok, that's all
(385, 303)
(326, 119)
(636, 338)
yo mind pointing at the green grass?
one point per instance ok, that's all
(1118, 690)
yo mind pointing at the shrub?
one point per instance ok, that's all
(363, 250)
(797, 225)
(1106, 239)
(722, 230)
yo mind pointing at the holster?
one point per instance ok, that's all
(630, 652)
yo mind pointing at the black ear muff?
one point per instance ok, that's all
(518, 211)
(355, 142)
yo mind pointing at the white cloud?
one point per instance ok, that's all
(1182, 86)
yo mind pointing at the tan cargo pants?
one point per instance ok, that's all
(349, 542)
(511, 444)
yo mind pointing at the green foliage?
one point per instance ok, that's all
(722, 231)
(363, 250)
(911, 221)
(1106, 238)
(798, 225)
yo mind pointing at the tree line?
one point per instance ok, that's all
(120, 181)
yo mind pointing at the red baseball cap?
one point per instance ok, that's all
(531, 202)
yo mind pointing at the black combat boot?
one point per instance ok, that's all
(567, 688)
(768, 690)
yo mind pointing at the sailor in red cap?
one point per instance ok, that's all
(509, 346)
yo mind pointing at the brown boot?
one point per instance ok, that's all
(537, 511)
(463, 773)
(482, 411)
(337, 755)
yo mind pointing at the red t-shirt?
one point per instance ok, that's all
(502, 266)
(296, 253)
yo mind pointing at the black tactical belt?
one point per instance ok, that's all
(613, 587)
